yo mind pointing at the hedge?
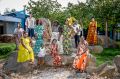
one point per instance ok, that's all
(6, 48)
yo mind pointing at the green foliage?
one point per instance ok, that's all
(43, 8)
(6, 48)
(102, 10)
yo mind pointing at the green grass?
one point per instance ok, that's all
(12, 46)
(108, 54)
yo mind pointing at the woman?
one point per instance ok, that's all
(54, 52)
(55, 32)
(80, 60)
(25, 52)
(18, 32)
(92, 33)
(60, 40)
(67, 39)
(47, 27)
(39, 29)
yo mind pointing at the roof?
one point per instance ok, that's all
(9, 19)
(17, 14)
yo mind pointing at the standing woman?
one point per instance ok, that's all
(60, 40)
(80, 60)
(67, 39)
(39, 36)
(25, 52)
(18, 32)
(92, 32)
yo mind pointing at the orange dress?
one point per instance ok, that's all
(92, 33)
(80, 60)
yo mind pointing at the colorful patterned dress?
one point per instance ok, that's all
(80, 60)
(39, 41)
(67, 40)
(92, 33)
(23, 54)
(54, 52)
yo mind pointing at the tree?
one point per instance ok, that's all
(43, 8)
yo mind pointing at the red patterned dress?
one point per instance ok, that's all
(54, 52)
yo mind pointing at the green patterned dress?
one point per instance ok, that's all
(39, 41)
(67, 40)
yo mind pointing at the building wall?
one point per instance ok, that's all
(10, 27)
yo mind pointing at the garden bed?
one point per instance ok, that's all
(6, 49)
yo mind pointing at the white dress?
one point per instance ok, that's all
(60, 45)
(42, 52)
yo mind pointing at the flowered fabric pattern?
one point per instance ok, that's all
(80, 60)
(67, 40)
(92, 33)
(54, 52)
(39, 41)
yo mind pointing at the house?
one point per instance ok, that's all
(19, 14)
(8, 24)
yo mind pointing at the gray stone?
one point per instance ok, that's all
(109, 72)
(101, 67)
(11, 65)
(117, 62)
(66, 60)
(96, 49)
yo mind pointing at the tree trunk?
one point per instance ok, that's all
(106, 34)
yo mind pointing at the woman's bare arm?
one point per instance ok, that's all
(23, 44)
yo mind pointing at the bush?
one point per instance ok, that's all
(6, 48)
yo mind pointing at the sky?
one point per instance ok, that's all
(18, 4)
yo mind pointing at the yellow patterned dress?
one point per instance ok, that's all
(92, 33)
(23, 54)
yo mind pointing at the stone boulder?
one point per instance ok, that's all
(11, 65)
(108, 71)
(66, 60)
(91, 66)
(6, 38)
(117, 62)
(102, 40)
(96, 49)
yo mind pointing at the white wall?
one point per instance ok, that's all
(10, 27)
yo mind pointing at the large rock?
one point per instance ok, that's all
(96, 49)
(11, 65)
(93, 69)
(66, 60)
(102, 41)
(108, 71)
(117, 62)
(91, 66)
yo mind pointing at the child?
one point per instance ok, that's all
(54, 53)
(41, 55)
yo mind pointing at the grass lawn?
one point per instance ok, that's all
(108, 54)
(11, 47)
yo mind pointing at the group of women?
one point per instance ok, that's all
(59, 45)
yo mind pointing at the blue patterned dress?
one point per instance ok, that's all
(39, 41)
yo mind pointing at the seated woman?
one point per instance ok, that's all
(80, 60)
(54, 52)
(25, 52)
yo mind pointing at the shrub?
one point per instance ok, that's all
(6, 48)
